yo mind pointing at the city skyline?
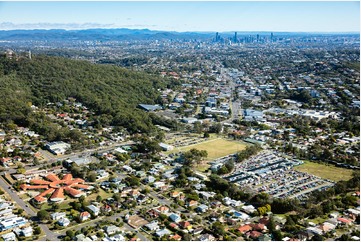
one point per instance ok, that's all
(184, 16)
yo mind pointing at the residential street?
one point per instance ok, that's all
(5, 186)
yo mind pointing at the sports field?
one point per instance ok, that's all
(325, 171)
(216, 148)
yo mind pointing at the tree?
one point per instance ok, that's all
(133, 181)
(37, 230)
(277, 235)
(187, 237)
(100, 234)
(43, 215)
(290, 224)
(70, 233)
(318, 237)
(197, 127)
(216, 128)
(194, 156)
(21, 170)
(218, 229)
(55, 206)
(92, 176)
(82, 199)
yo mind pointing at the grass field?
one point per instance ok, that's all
(324, 171)
(216, 148)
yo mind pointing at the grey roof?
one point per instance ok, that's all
(148, 107)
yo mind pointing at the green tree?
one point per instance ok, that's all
(37, 230)
(218, 229)
(43, 215)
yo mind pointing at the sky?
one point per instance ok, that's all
(305, 16)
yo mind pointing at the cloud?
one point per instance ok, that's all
(69, 26)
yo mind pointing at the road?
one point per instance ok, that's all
(53, 158)
(14, 197)
(94, 222)
(50, 235)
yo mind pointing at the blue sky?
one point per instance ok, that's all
(184, 16)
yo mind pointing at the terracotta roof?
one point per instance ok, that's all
(5, 159)
(244, 228)
(23, 186)
(184, 224)
(255, 234)
(76, 180)
(258, 226)
(44, 193)
(176, 237)
(192, 202)
(175, 194)
(39, 182)
(173, 225)
(344, 220)
(264, 221)
(52, 177)
(68, 177)
(40, 199)
(85, 214)
(163, 209)
(58, 194)
(73, 192)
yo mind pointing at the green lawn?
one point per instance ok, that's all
(216, 148)
(101, 193)
(325, 171)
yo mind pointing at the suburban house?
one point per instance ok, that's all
(112, 229)
(84, 216)
(95, 210)
(175, 217)
(64, 222)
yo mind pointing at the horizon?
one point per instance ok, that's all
(199, 32)
(309, 17)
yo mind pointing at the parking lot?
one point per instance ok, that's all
(270, 173)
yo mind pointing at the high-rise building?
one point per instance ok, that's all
(217, 37)
(257, 37)
(235, 40)
(271, 37)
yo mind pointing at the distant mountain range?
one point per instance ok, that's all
(129, 34)
(98, 34)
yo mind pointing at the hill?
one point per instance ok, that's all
(111, 92)
(98, 35)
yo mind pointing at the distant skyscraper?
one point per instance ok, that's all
(217, 37)
(30, 54)
(235, 40)
(271, 37)
(257, 37)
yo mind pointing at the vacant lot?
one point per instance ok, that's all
(216, 148)
(325, 171)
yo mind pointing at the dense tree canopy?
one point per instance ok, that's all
(105, 89)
